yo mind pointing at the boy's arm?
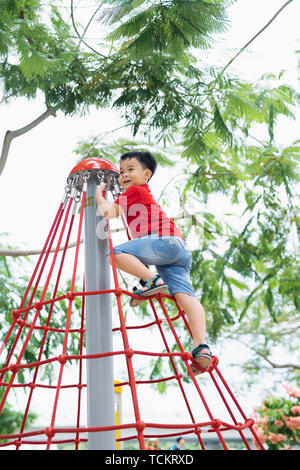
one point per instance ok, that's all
(108, 210)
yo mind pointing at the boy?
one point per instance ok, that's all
(156, 241)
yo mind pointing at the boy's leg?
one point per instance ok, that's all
(196, 316)
(132, 265)
(179, 283)
(193, 308)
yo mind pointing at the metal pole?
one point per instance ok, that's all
(100, 380)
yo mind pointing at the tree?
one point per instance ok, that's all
(41, 58)
(134, 75)
(10, 420)
(149, 70)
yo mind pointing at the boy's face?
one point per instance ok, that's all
(132, 173)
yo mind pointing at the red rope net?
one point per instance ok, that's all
(34, 323)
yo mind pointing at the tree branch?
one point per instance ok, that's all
(186, 214)
(274, 365)
(10, 135)
(31, 251)
(81, 37)
(254, 37)
(14, 253)
(278, 366)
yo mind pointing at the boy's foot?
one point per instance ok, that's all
(202, 356)
(150, 287)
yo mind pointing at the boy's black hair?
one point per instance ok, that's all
(146, 159)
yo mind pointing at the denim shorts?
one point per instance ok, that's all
(170, 255)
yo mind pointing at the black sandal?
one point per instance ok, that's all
(152, 288)
(203, 360)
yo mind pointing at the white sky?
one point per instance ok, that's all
(39, 162)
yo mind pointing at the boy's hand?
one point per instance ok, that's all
(101, 188)
(107, 209)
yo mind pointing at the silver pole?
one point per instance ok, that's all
(100, 380)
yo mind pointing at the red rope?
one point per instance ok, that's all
(16, 313)
(21, 325)
(47, 324)
(63, 359)
(38, 308)
(80, 384)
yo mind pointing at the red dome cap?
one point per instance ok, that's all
(95, 164)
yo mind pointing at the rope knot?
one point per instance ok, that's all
(38, 306)
(15, 315)
(14, 368)
(140, 426)
(129, 352)
(216, 423)
(62, 359)
(50, 432)
(70, 295)
(185, 356)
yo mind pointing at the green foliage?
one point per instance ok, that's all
(41, 55)
(260, 183)
(97, 146)
(172, 27)
(150, 75)
(11, 420)
(246, 269)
